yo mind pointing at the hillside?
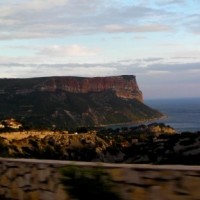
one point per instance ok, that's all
(68, 102)
(153, 143)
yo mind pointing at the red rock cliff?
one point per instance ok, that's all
(124, 86)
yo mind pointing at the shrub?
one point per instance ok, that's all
(83, 183)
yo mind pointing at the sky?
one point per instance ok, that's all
(156, 40)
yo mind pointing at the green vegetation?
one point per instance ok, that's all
(4, 148)
(83, 183)
(60, 110)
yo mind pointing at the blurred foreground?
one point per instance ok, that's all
(23, 179)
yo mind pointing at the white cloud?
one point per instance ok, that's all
(50, 18)
(141, 28)
(41, 4)
(10, 7)
(72, 50)
(13, 70)
(157, 72)
(47, 65)
(170, 2)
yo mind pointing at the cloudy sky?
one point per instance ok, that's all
(156, 40)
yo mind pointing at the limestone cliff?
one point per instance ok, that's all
(124, 86)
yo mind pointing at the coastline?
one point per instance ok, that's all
(151, 120)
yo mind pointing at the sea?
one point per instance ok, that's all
(182, 114)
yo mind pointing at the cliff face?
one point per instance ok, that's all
(124, 86)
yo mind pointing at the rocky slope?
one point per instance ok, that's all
(66, 102)
(153, 143)
(94, 145)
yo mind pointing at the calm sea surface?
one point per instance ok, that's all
(182, 114)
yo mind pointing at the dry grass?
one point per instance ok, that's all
(24, 134)
(75, 138)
